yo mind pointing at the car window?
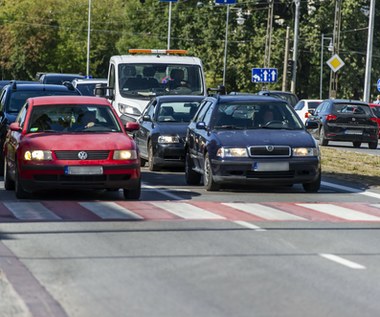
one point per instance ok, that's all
(200, 115)
(376, 111)
(313, 104)
(352, 109)
(299, 105)
(22, 115)
(72, 118)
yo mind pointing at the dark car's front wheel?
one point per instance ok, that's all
(9, 184)
(20, 192)
(132, 193)
(373, 145)
(152, 165)
(314, 186)
(192, 177)
(208, 178)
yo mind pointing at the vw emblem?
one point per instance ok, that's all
(270, 148)
(82, 155)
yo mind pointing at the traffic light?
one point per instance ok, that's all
(290, 68)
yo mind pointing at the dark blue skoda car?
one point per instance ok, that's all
(250, 139)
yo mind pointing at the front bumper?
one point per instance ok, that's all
(169, 154)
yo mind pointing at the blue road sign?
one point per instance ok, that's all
(378, 84)
(225, 1)
(264, 75)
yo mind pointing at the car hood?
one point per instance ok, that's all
(172, 128)
(79, 141)
(243, 138)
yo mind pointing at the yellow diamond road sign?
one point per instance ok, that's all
(335, 63)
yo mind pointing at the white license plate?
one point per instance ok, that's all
(357, 132)
(270, 166)
(84, 170)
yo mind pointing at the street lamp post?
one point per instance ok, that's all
(330, 49)
(225, 46)
(169, 23)
(88, 39)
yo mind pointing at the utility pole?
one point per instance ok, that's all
(295, 47)
(268, 40)
(286, 57)
(336, 41)
(368, 65)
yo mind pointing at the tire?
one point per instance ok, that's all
(152, 165)
(20, 192)
(142, 162)
(192, 177)
(373, 145)
(314, 186)
(208, 179)
(132, 194)
(9, 183)
(356, 144)
(322, 139)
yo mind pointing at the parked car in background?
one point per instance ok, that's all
(87, 85)
(347, 121)
(58, 78)
(60, 142)
(14, 95)
(288, 96)
(248, 139)
(163, 125)
(305, 107)
(376, 111)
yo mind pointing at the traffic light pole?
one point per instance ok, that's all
(336, 41)
(295, 47)
(286, 56)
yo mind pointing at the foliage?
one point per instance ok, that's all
(53, 37)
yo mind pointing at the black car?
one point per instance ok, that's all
(58, 78)
(14, 95)
(345, 120)
(248, 139)
(163, 124)
(288, 96)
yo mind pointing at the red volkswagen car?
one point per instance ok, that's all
(70, 142)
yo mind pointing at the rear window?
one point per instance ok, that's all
(376, 111)
(313, 104)
(352, 109)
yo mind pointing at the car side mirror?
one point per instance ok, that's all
(201, 126)
(146, 118)
(132, 126)
(15, 126)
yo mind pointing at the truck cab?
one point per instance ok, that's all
(135, 78)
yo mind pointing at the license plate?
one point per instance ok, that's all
(357, 132)
(83, 170)
(270, 166)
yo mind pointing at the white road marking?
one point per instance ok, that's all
(110, 210)
(264, 212)
(249, 225)
(187, 211)
(351, 190)
(163, 192)
(342, 261)
(340, 212)
(30, 211)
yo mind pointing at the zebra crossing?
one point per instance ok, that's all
(14, 211)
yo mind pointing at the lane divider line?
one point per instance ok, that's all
(249, 225)
(342, 261)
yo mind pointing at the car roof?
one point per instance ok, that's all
(89, 80)
(14, 86)
(156, 59)
(57, 100)
(179, 98)
(254, 98)
(348, 101)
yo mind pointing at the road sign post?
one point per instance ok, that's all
(264, 75)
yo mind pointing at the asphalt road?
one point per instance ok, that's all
(182, 251)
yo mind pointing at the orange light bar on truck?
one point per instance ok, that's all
(155, 51)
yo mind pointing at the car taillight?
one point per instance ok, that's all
(373, 119)
(307, 114)
(330, 117)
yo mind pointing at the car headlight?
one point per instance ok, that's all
(232, 152)
(126, 109)
(38, 155)
(168, 139)
(125, 155)
(305, 151)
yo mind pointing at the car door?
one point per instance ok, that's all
(318, 117)
(146, 121)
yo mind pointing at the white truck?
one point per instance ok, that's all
(135, 78)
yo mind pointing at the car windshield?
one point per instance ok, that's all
(179, 111)
(256, 116)
(72, 118)
(18, 98)
(147, 80)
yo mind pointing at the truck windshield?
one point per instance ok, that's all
(147, 80)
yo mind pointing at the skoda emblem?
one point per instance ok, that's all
(353, 119)
(82, 155)
(270, 148)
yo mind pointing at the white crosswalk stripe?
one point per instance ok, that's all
(30, 211)
(341, 212)
(187, 211)
(110, 210)
(264, 212)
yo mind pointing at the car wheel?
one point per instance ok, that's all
(357, 144)
(9, 184)
(322, 139)
(192, 177)
(208, 179)
(132, 194)
(143, 162)
(373, 145)
(20, 192)
(152, 165)
(314, 186)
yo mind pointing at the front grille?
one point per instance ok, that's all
(270, 151)
(73, 155)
